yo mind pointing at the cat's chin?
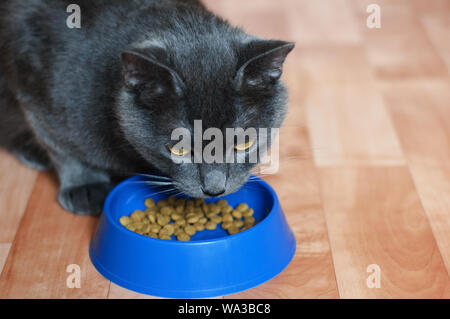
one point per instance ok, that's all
(195, 194)
(201, 194)
(195, 190)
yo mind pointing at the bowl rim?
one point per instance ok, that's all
(275, 207)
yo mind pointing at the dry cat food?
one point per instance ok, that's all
(183, 218)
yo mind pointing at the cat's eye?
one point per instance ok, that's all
(178, 151)
(244, 146)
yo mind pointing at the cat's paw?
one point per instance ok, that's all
(85, 199)
(34, 157)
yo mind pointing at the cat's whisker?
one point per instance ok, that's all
(152, 183)
(260, 174)
(254, 179)
(166, 191)
(178, 193)
(153, 176)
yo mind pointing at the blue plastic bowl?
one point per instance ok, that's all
(212, 264)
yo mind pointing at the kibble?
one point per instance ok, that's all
(137, 215)
(236, 214)
(171, 200)
(179, 209)
(190, 230)
(248, 212)
(216, 219)
(211, 215)
(163, 219)
(227, 218)
(146, 228)
(191, 210)
(227, 209)
(183, 237)
(125, 220)
(151, 218)
(162, 203)
(249, 220)
(168, 229)
(183, 218)
(213, 208)
(149, 202)
(227, 225)
(222, 203)
(166, 210)
(239, 223)
(189, 215)
(193, 220)
(180, 222)
(199, 227)
(139, 225)
(176, 216)
(131, 227)
(155, 228)
(233, 230)
(211, 225)
(199, 201)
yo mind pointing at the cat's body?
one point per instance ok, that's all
(103, 99)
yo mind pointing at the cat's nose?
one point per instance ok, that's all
(214, 183)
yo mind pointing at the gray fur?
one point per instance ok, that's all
(69, 101)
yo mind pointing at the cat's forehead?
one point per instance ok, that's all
(208, 73)
(207, 64)
(206, 67)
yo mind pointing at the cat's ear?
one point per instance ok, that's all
(146, 68)
(262, 63)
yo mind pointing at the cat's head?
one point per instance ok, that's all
(226, 83)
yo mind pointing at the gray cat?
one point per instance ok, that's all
(102, 101)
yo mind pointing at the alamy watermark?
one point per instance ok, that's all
(73, 21)
(74, 279)
(373, 21)
(374, 279)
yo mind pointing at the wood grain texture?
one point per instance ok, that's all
(16, 185)
(400, 48)
(431, 6)
(263, 19)
(346, 64)
(347, 120)
(322, 23)
(375, 216)
(437, 26)
(50, 239)
(364, 162)
(4, 251)
(117, 292)
(421, 113)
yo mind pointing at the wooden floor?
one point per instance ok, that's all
(365, 169)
